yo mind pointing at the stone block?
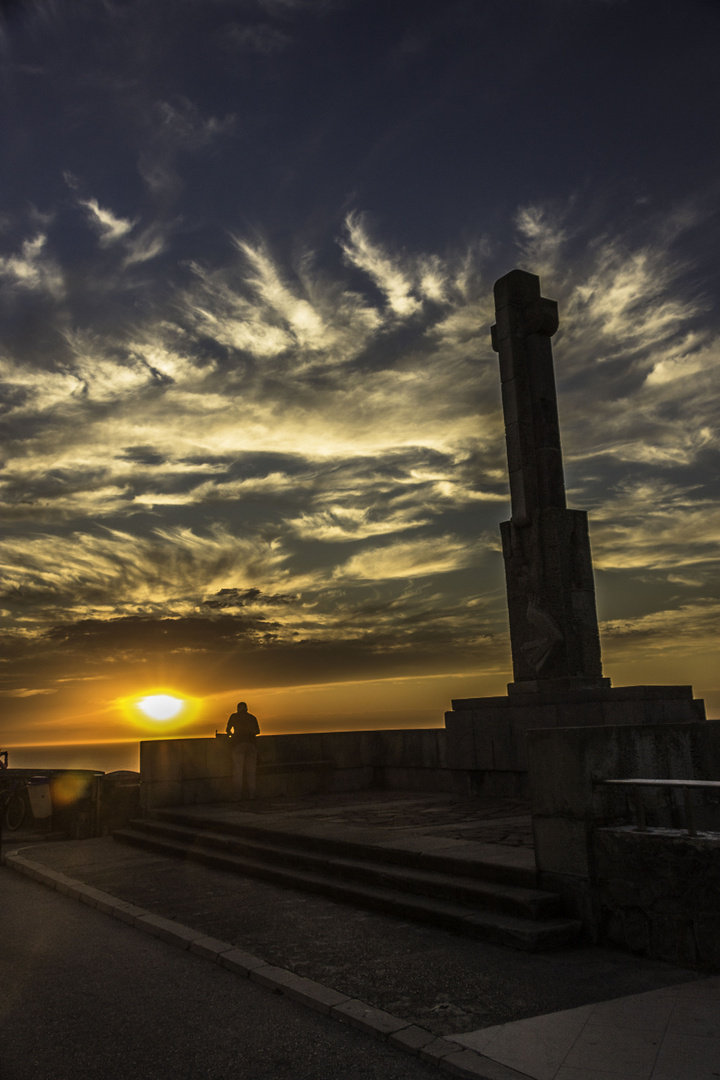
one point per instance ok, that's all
(161, 760)
(411, 1038)
(96, 897)
(557, 772)
(430, 744)
(127, 912)
(473, 1066)
(61, 882)
(464, 781)
(348, 749)
(707, 938)
(686, 948)
(441, 745)
(305, 783)
(338, 780)
(219, 762)
(400, 779)
(367, 1018)
(305, 746)
(207, 790)
(316, 996)
(578, 714)
(623, 711)
(166, 930)
(394, 749)
(271, 787)
(462, 705)
(195, 753)
(307, 991)
(209, 947)
(19, 862)
(561, 846)
(159, 794)
(241, 962)
(636, 930)
(491, 730)
(460, 748)
(268, 747)
(663, 937)
(436, 1050)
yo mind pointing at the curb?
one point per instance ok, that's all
(381, 1025)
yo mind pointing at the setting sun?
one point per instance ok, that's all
(160, 706)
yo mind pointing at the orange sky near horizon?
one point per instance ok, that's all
(413, 701)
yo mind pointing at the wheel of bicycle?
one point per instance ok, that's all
(15, 811)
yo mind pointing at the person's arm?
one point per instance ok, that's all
(230, 728)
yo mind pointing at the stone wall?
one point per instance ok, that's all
(179, 772)
(569, 806)
(658, 893)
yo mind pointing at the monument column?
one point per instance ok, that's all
(558, 679)
(548, 568)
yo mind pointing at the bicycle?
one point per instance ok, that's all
(13, 804)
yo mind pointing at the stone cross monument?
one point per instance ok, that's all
(558, 680)
(548, 568)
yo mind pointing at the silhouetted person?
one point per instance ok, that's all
(242, 727)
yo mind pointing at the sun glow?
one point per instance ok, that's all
(160, 706)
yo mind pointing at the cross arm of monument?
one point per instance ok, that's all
(525, 322)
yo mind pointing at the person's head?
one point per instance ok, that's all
(242, 707)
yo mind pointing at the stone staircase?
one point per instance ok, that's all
(493, 901)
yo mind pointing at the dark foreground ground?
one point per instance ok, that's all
(85, 996)
(430, 977)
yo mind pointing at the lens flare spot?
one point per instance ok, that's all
(70, 787)
(160, 706)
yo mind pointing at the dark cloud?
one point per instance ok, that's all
(143, 455)
(225, 598)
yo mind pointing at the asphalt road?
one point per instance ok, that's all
(84, 995)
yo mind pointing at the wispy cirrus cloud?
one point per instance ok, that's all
(32, 268)
(284, 428)
(94, 575)
(109, 228)
(410, 559)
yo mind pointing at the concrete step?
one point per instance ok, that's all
(519, 872)
(496, 896)
(498, 927)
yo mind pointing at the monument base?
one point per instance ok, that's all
(486, 737)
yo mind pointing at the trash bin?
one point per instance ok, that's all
(39, 794)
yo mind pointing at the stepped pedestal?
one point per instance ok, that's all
(486, 737)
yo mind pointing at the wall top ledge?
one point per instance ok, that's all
(611, 693)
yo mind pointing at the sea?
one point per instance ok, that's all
(101, 757)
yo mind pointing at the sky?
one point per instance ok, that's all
(252, 439)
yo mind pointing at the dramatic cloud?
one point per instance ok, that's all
(252, 428)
